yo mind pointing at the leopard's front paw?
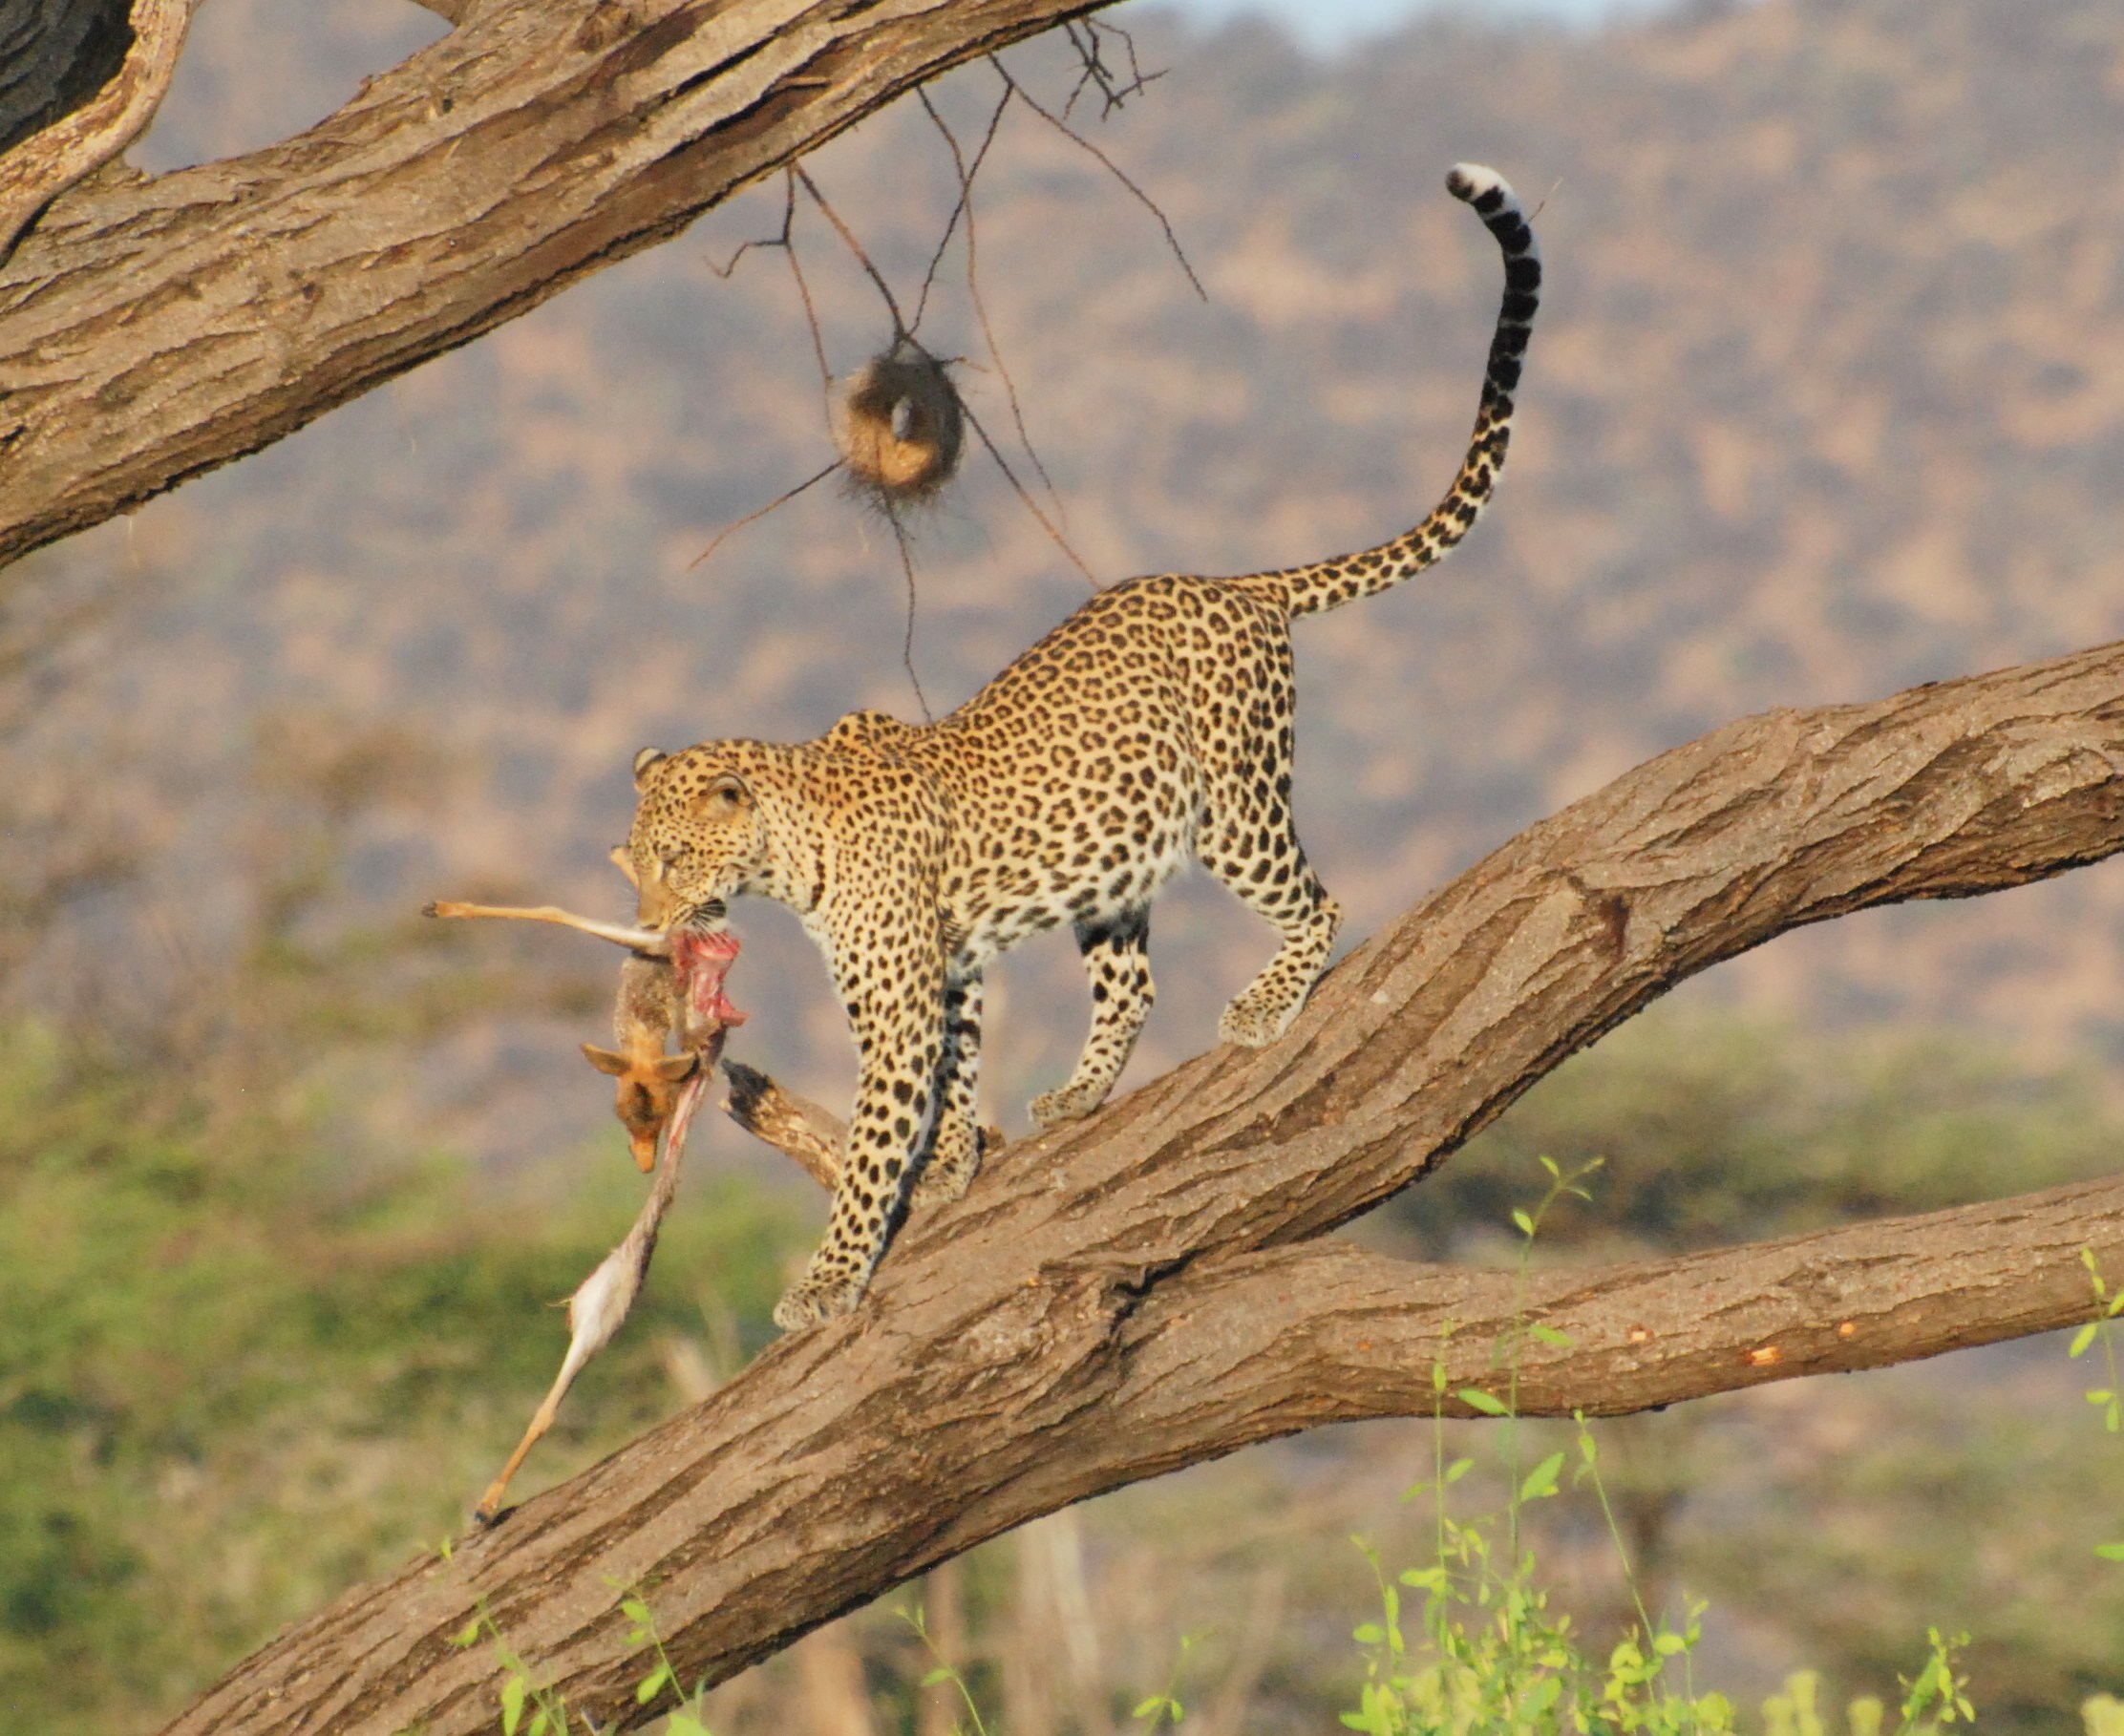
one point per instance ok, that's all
(813, 1300)
(1253, 1021)
(1065, 1103)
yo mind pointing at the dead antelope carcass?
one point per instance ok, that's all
(671, 988)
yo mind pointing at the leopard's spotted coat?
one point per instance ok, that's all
(1154, 723)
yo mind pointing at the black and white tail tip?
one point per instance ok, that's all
(1490, 196)
(1497, 205)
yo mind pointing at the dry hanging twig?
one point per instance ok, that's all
(1113, 168)
(966, 172)
(907, 643)
(1031, 506)
(758, 513)
(854, 246)
(964, 205)
(786, 241)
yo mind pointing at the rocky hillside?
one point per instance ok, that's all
(1827, 399)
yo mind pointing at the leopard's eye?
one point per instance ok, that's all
(724, 797)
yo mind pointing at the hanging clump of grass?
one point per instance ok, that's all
(903, 428)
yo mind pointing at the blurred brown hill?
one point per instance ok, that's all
(1827, 399)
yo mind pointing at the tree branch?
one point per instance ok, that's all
(1136, 1293)
(1326, 1332)
(153, 330)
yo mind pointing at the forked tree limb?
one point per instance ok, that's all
(151, 330)
(1143, 1290)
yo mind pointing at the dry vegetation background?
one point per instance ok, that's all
(1828, 399)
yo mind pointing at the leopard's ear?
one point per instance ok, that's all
(623, 858)
(646, 762)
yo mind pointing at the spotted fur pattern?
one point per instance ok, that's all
(1154, 723)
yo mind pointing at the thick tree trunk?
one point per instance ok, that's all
(1145, 1290)
(151, 330)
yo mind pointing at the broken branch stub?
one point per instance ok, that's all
(810, 1137)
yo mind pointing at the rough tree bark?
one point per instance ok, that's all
(1148, 1289)
(151, 330)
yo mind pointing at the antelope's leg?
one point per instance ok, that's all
(640, 940)
(490, 1503)
(601, 1302)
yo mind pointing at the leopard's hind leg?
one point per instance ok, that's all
(1306, 917)
(1248, 840)
(1117, 962)
(955, 1150)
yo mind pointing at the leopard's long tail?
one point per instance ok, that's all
(1327, 585)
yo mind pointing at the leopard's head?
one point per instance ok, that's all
(698, 837)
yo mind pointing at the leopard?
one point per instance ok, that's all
(1154, 725)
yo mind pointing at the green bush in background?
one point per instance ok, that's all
(233, 1381)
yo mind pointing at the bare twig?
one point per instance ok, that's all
(760, 511)
(728, 269)
(1031, 506)
(786, 240)
(964, 205)
(1084, 34)
(966, 172)
(1113, 168)
(907, 644)
(854, 246)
